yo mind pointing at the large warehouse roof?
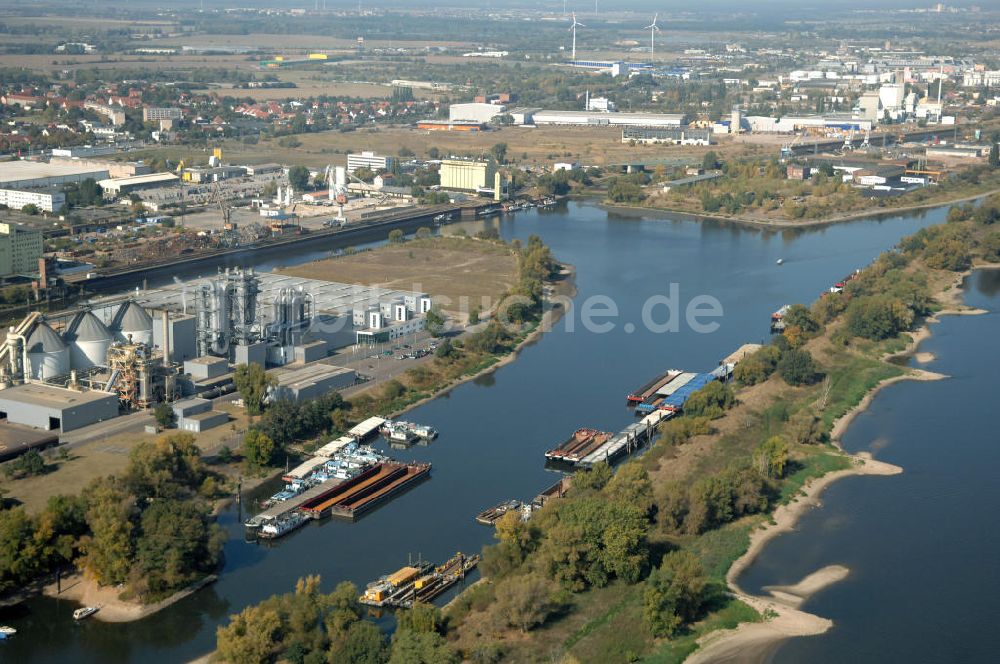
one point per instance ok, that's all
(150, 178)
(37, 173)
(49, 396)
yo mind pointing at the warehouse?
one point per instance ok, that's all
(114, 189)
(673, 135)
(597, 118)
(56, 408)
(481, 113)
(34, 174)
(311, 382)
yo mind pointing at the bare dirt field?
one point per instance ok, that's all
(450, 269)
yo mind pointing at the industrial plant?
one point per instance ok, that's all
(125, 353)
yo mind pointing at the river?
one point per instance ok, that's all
(494, 430)
(921, 546)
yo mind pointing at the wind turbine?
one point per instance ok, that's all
(576, 24)
(653, 29)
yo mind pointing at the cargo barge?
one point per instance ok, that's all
(366, 490)
(654, 401)
(650, 388)
(579, 445)
(627, 440)
(492, 515)
(418, 582)
(778, 318)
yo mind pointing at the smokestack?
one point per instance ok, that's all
(166, 338)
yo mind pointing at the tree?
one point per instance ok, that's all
(878, 317)
(410, 647)
(258, 449)
(249, 637)
(433, 153)
(499, 152)
(797, 367)
(252, 383)
(524, 601)
(805, 428)
(396, 236)
(770, 457)
(422, 617)
(164, 414)
(177, 544)
(28, 464)
(675, 593)
(31, 209)
(445, 350)
(710, 161)
(108, 550)
(364, 643)
(298, 177)
(422, 233)
(631, 486)
(758, 366)
(710, 401)
(435, 323)
(995, 155)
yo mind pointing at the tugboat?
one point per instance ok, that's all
(85, 612)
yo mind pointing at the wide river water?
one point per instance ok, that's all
(922, 546)
(494, 430)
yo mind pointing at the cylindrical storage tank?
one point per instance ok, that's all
(135, 322)
(89, 340)
(48, 355)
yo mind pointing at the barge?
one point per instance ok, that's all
(580, 444)
(367, 490)
(420, 582)
(492, 515)
(651, 388)
(282, 525)
(655, 402)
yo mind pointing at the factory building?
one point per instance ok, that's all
(481, 113)
(47, 201)
(466, 175)
(117, 188)
(764, 124)
(36, 174)
(212, 174)
(54, 408)
(369, 160)
(20, 249)
(598, 119)
(115, 169)
(675, 136)
(310, 382)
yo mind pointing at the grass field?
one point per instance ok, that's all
(108, 456)
(590, 146)
(452, 270)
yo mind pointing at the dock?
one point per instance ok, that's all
(627, 440)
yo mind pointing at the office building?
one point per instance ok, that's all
(20, 249)
(369, 160)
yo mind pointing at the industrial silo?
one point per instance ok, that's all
(133, 322)
(89, 340)
(48, 355)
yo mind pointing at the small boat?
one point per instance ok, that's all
(780, 261)
(85, 612)
(7, 631)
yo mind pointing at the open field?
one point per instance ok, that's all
(109, 455)
(590, 146)
(450, 269)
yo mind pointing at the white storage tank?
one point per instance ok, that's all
(48, 355)
(134, 322)
(89, 340)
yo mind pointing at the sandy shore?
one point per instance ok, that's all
(112, 609)
(753, 642)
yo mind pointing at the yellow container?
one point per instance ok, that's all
(404, 575)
